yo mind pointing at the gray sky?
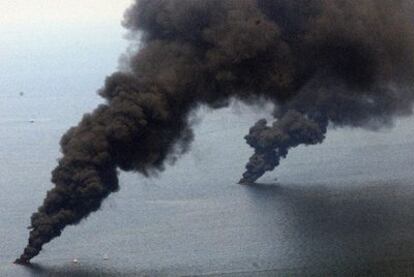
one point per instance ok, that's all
(46, 44)
(41, 12)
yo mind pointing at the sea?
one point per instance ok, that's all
(341, 208)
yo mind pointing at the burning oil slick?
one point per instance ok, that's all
(272, 143)
(338, 62)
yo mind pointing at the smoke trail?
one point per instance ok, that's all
(272, 143)
(345, 63)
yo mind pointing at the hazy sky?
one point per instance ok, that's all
(46, 44)
(40, 12)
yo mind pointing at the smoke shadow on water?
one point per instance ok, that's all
(35, 269)
(83, 270)
(344, 227)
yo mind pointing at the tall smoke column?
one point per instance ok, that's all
(272, 143)
(345, 63)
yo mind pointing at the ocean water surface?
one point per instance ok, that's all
(339, 206)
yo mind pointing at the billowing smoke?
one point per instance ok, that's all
(337, 62)
(272, 143)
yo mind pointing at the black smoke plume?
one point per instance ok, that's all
(337, 62)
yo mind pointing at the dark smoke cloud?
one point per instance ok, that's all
(338, 62)
(272, 143)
